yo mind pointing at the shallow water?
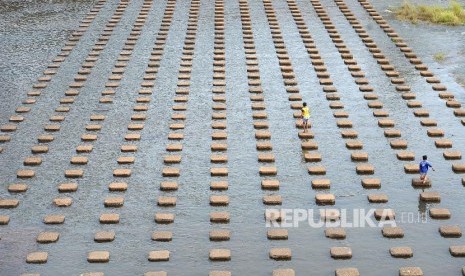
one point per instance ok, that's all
(32, 37)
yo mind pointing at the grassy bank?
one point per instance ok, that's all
(453, 15)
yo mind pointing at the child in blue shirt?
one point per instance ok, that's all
(424, 166)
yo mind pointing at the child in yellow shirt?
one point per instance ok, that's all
(305, 116)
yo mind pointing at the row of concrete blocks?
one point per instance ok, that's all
(322, 199)
(347, 271)
(264, 147)
(88, 137)
(429, 77)
(182, 91)
(431, 132)
(110, 202)
(138, 116)
(419, 66)
(42, 82)
(384, 123)
(336, 252)
(103, 256)
(39, 149)
(262, 136)
(174, 172)
(434, 132)
(82, 160)
(179, 107)
(287, 73)
(93, 56)
(218, 123)
(428, 196)
(323, 13)
(433, 196)
(423, 196)
(327, 199)
(331, 96)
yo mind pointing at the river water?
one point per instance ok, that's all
(32, 34)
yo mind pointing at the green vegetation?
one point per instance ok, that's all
(439, 57)
(453, 15)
